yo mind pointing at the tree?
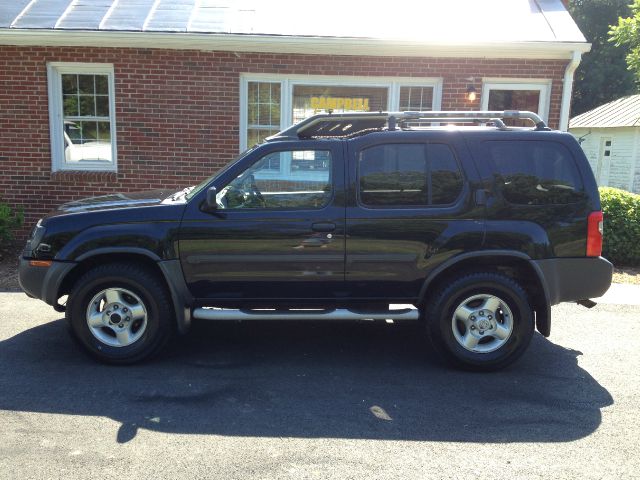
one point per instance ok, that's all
(627, 33)
(603, 75)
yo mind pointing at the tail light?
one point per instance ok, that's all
(595, 230)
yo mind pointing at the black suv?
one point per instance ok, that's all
(475, 231)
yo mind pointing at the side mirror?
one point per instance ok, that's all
(210, 202)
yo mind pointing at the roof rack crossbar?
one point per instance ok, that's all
(393, 119)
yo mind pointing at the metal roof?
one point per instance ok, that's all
(624, 112)
(430, 21)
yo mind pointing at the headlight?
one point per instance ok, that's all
(36, 235)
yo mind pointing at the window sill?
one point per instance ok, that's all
(65, 176)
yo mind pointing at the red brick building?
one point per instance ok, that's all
(105, 96)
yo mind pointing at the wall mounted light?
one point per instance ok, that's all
(471, 93)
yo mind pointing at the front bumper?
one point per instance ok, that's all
(43, 282)
(573, 279)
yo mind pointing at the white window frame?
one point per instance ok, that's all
(288, 82)
(55, 70)
(542, 85)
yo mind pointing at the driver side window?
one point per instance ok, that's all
(291, 179)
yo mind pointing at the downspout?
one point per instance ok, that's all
(567, 89)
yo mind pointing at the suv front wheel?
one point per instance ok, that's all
(482, 321)
(120, 313)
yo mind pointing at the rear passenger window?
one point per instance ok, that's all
(409, 175)
(446, 179)
(536, 173)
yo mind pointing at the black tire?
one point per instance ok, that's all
(150, 290)
(439, 313)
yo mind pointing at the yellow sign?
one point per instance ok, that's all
(340, 103)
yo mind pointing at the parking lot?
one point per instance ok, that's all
(333, 400)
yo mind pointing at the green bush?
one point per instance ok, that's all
(621, 226)
(9, 221)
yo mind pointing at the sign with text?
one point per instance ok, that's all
(340, 103)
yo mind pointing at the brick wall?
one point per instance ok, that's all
(177, 112)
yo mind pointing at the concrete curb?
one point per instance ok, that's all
(621, 294)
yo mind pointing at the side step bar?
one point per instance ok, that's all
(210, 313)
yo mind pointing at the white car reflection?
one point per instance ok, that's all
(88, 150)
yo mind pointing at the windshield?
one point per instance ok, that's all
(202, 185)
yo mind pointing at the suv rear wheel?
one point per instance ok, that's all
(482, 321)
(120, 313)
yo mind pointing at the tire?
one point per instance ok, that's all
(120, 313)
(480, 322)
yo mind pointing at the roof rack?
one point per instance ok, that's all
(348, 124)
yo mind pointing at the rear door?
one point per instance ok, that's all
(278, 231)
(410, 207)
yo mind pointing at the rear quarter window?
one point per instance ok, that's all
(535, 173)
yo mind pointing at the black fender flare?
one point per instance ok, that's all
(172, 272)
(543, 312)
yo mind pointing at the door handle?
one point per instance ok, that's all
(323, 227)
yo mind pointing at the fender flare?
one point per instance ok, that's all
(543, 313)
(172, 273)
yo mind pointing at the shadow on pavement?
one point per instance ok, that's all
(356, 380)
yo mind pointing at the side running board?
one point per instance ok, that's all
(211, 313)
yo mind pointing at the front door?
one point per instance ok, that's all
(277, 232)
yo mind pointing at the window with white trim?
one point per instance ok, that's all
(271, 103)
(518, 94)
(263, 111)
(81, 116)
(416, 99)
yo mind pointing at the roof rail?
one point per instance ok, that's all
(345, 124)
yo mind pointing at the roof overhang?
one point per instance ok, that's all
(290, 44)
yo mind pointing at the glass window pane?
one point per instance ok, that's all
(69, 84)
(274, 115)
(89, 131)
(70, 106)
(263, 111)
(87, 106)
(82, 141)
(253, 114)
(72, 129)
(534, 173)
(416, 99)
(257, 135)
(393, 175)
(264, 93)
(86, 138)
(264, 114)
(102, 106)
(446, 179)
(271, 183)
(86, 84)
(311, 160)
(253, 92)
(102, 84)
(104, 132)
(527, 100)
(309, 100)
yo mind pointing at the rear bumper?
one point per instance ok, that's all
(573, 279)
(43, 282)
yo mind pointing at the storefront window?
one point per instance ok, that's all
(272, 103)
(311, 99)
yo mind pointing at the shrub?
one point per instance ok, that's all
(621, 226)
(9, 221)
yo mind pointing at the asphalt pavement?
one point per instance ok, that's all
(319, 401)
